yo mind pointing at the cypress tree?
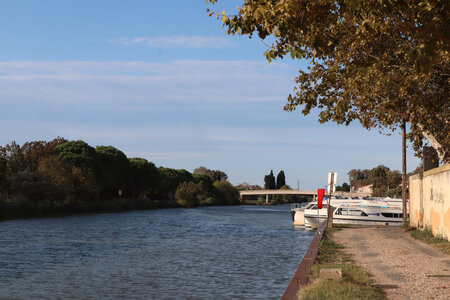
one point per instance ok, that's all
(269, 181)
(281, 179)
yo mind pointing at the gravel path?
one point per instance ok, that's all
(402, 267)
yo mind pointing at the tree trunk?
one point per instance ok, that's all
(404, 186)
(443, 153)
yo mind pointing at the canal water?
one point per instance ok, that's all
(238, 252)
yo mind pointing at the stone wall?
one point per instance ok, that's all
(429, 203)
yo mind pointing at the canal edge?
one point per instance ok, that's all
(300, 277)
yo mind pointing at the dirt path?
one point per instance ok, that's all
(402, 266)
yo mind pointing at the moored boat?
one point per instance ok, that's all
(356, 211)
(298, 214)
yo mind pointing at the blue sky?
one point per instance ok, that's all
(161, 80)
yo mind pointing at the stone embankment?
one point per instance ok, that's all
(402, 267)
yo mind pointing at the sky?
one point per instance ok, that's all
(161, 80)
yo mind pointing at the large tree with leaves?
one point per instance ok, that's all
(381, 62)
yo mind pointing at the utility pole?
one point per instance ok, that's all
(404, 186)
(331, 181)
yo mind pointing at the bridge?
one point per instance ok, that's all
(275, 192)
(266, 193)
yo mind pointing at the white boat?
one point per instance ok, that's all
(298, 214)
(357, 211)
(298, 209)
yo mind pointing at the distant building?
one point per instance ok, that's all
(362, 189)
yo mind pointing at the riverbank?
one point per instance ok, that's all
(355, 282)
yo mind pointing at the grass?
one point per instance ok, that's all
(439, 276)
(426, 236)
(354, 284)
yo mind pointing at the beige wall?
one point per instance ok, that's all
(415, 201)
(429, 204)
(366, 189)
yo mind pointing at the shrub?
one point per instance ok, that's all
(186, 194)
(226, 192)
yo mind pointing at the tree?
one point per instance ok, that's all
(206, 189)
(4, 183)
(170, 180)
(381, 62)
(184, 175)
(227, 193)
(113, 171)
(34, 151)
(281, 180)
(246, 186)
(216, 175)
(15, 161)
(345, 187)
(186, 194)
(78, 153)
(394, 179)
(61, 179)
(83, 160)
(358, 176)
(202, 178)
(145, 177)
(269, 181)
(382, 178)
(28, 185)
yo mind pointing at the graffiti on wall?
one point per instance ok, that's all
(437, 196)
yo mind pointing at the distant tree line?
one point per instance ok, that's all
(246, 186)
(345, 187)
(385, 182)
(62, 176)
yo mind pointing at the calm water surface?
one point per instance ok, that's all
(239, 252)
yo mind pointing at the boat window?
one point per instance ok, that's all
(314, 206)
(391, 215)
(356, 212)
(350, 212)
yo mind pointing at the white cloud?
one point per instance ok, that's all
(140, 67)
(136, 83)
(178, 41)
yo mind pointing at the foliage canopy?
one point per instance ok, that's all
(71, 176)
(380, 62)
(385, 182)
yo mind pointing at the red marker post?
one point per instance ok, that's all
(320, 194)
